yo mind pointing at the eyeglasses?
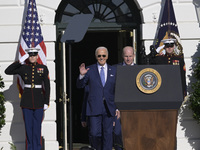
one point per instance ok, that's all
(101, 55)
(169, 45)
(33, 54)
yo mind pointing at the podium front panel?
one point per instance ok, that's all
(129, 97)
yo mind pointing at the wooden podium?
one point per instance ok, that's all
(148, 120)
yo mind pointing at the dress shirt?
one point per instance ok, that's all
(124, 64)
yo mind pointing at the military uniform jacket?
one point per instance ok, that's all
(173, 60)
(32, 74)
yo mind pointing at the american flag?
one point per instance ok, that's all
(167, 28)
(31, 38)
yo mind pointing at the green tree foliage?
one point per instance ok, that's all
(195, 94)
(12, 146)
(2, 106)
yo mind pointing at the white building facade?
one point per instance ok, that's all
(187, 14)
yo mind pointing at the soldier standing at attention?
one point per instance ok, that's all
(34, 101)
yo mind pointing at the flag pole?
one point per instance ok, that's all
(64, 99)
(70, 95)
(168, 11)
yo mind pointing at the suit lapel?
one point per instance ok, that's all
(108, 74)
(98, 75)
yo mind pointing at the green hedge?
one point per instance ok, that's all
(2, 105)
(195, 94)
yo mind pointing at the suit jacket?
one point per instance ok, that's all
(98, 95)
(32, 74)
(85, 96)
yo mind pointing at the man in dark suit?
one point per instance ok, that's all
(33, 101)
(100, 107)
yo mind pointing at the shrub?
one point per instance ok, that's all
(195, 94)
(2, 105)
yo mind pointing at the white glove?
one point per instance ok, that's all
(23, 58)
(159, 49)
(45, 107)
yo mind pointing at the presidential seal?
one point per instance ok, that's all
(148, 80)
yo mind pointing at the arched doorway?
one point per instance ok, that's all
(112, 26)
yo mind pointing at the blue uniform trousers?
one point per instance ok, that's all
(33, 120)
(101, 129)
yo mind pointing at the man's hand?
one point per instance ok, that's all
(45, 107)
(23, 58)
(117, 113)
(82, 69)
(84, 124)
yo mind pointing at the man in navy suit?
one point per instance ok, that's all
(100, 107)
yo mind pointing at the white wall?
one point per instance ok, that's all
(11, 17)
(188, 131)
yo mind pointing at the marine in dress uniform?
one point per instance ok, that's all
(34, 100)
(171, 58)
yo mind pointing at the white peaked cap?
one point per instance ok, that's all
(31, 50)
(169, 41)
